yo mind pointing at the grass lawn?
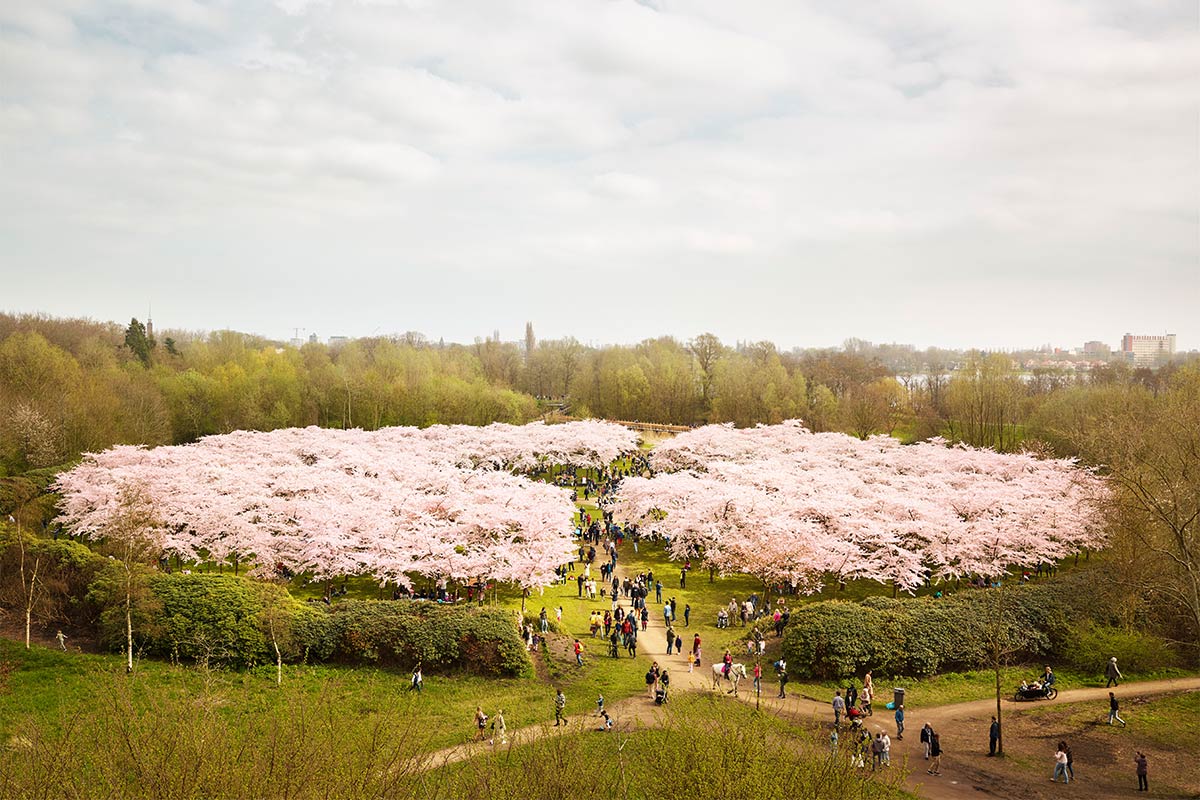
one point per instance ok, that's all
(44, 686)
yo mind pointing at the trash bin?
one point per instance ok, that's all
(897, 697)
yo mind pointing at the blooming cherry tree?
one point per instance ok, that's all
(443, 502)
(785, 504)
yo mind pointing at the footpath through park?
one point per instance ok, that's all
(960, 724)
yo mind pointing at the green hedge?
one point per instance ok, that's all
(925, 636)
(401, 633)
(1071, 620)
(233, 620)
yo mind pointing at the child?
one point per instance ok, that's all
(600, 706)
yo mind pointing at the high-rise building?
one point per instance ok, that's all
(1146, 351)
(1095, 348)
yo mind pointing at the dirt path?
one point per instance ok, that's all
(967, 772)
(963, 726)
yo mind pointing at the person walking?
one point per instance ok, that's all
(560, 706)
(887, 750)
(1066, 748)
(578, 653)
(926, 740)
(687, 615)
(1112, 673)
(1143, 781)
(900, 722)
(757, 679)
(935, 751)
(877, 752)
(499, 729)
(480, 723)
(1060, 765)
(658, 591)
(62, 640)
(993, 736)
(781, 671)
(1113, 707)
(839, 708)
(418, 680)
(670, 638)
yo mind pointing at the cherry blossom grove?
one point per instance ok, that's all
(439, 502)
(788, 505)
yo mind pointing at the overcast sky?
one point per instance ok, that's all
(954, 173)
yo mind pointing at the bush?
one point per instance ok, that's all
(238, 621)
(210, 618)
(402, 633)
(65, 570)
(1089, 647)
(925, 636)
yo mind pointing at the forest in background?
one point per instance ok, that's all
(69, 386)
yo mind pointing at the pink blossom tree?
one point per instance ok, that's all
(443, 502)
(786, 504)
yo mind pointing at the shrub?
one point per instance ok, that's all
(1089, 647)
(238, 620)
(925, 636)
(402, 633)
(65, 570)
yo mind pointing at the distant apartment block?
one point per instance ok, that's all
(1146, 351)
(1094, 348)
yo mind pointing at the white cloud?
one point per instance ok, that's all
(380, 155)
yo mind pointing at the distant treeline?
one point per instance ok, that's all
(69, 386)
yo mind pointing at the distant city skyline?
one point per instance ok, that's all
(949, 174)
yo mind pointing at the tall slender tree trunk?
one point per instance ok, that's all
(128, 626)
(29, 601)
(999, 712)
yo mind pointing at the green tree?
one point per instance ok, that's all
(138, 342)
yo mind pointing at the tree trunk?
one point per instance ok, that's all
(128, 626)
(278, 662)
(29, 601)
(999, 720)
